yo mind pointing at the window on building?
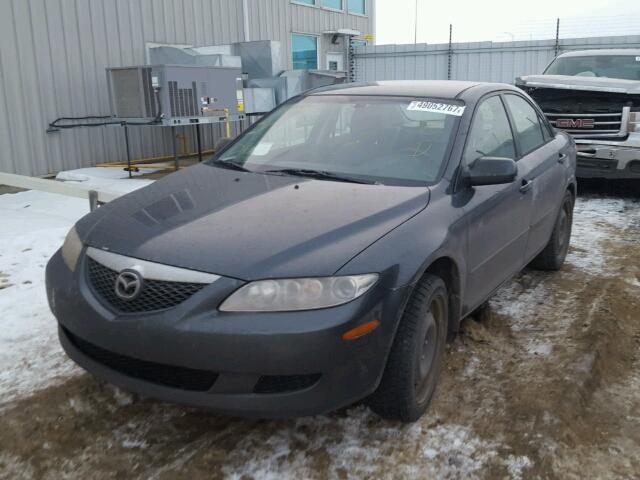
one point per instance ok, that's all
(358, 43)
(357, 6)
(304, 51)
(335, 4)
(305, 2)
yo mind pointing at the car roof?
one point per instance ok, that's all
(604, 51)
(447, 89)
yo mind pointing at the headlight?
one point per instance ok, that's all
(298, 293)
(71, 249)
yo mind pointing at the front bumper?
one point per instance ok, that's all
(299, 356)
(612, 160)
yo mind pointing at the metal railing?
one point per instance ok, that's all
(95, 197)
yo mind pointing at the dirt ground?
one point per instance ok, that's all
(543, 383)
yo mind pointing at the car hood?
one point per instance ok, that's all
(248, 225)
(597, 84)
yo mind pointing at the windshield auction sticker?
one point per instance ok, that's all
(435, 107)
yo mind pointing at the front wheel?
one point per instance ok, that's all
(409, 379)
(554, 253)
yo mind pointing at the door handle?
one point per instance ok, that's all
(526, 186)
(562, 157)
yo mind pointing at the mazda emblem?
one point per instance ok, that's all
(128, 284)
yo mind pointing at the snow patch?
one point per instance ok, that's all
(595, 221)
(134, 443)
(516, 300)
(471, 367)
(515, 465)
(34, 225)
(542, 349)
(415, 451)
(122, 398)
(106, 178)
(633, 281)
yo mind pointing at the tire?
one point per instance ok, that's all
(554, 253)
(413, 367)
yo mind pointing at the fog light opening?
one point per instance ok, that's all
(361, 330)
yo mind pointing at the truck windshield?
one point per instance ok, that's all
(614, 66)
(368, 139)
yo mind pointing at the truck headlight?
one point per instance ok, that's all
(71, 249)
(634, 122)
(298, 293)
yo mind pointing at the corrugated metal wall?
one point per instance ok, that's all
(482, 61)
(53, 55)
(53, 59)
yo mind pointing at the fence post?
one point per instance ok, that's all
(557, 49)
(351, 61)
(450, 52)
(415, 25)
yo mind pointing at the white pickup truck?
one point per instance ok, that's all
(594, 95)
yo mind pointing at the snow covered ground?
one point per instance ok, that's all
(34, 225)
(108, 178)
(468, 433)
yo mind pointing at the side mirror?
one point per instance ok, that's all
(222, 144)
(491, 171)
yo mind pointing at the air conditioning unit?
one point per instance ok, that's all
(183, 94)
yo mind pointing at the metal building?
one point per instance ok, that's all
(53, 55)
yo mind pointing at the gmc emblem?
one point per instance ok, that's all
(575, 123)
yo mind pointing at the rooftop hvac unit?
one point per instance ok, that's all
(183, 94)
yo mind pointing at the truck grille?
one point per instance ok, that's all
(155, 294)
(591, 125)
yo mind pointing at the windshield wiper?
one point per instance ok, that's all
(230, 165)
(320, 174)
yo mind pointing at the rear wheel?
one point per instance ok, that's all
(553, 255)
(415, 360)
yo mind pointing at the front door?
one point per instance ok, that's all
(497, 216)
(335, 61)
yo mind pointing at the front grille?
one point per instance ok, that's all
(602, 124)
(634, 166)
(155, 295)
(284, 383)
(167, 375)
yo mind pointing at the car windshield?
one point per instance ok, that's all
(367, 139)
(614, 66)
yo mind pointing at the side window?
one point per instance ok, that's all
(526, 122)
(547, 133)
(490, 134)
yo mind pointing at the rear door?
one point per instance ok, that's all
(498, 216)
(542, 156)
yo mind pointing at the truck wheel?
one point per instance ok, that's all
(414, 363)
(553, 255)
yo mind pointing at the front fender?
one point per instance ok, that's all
(404, 254)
